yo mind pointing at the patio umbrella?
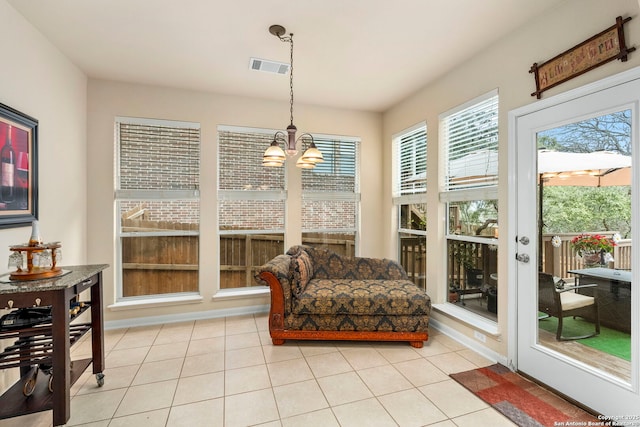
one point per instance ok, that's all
(594, 169)
(597, 169)
(474, 168)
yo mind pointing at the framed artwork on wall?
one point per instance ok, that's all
(600, 49)
(18, 168)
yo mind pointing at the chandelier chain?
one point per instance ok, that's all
(291, 78)
(289, 39)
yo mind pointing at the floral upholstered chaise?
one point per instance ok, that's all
(317, 294)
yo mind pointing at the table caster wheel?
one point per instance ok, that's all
(30, 384)
(100, 379)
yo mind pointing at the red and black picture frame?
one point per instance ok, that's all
(18, 168)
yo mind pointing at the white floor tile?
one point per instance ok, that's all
(452, 398)
(226, 372)
(344, 388)
(251, 408)
(208, 413)
(328, 364)
(299, 398)
(92, 407)
(321, 418)
(246, 379)
(200, 387)
(147, 397)
(156, 418)
(384, 380)
(289, 371)
(368, 413)
(411, 408)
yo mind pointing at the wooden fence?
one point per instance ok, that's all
(559, 260)
(242, 254)
(158, 264)
(163, 264)
(413, 257)
(470, 265)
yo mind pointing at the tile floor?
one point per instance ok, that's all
(226, 372)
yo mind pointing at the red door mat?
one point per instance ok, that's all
(523, 401)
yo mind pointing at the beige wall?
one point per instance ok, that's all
(76, 139)
(106, 100)
(503, 66)
(37, 80)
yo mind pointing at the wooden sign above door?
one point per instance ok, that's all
(591, 53)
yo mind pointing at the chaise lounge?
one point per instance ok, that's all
(317, 294)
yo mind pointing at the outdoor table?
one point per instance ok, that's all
(613, 293)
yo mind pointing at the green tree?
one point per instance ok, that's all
(570, 209)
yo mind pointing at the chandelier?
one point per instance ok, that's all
(275, 156)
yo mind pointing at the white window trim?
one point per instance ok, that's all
(447, 196)
(348, 196)
(221, 294)
(468, 195)
(395, 160)
(126, 303)
(134, 303)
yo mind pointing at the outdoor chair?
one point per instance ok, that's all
(559, 300)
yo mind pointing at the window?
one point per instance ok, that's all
(409, 191)
(470, 140)
(251, 205)
(157, 200)
(331, 196)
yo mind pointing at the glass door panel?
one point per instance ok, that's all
(584, 205)
(576, 219)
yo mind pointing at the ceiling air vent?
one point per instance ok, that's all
(268, 66)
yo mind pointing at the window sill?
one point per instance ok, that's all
(239, 293)
(474, 320)
(155, 302)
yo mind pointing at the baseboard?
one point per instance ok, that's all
(184, 317)
(468, 342)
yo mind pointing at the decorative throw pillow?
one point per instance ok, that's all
(301, 271)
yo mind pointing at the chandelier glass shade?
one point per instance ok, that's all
(275, 156)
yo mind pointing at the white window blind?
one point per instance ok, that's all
(246, 188)
(410, 156)
(471, 141)
(157, 157)
(330, 191)
(240, 153)
(338, 172)
(158, 205)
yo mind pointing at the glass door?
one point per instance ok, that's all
(575, 299)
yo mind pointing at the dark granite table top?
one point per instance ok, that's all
(604, 273)
(71, 276)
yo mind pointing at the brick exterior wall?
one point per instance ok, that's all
(178, 211)
(168, 158)
(160, 158)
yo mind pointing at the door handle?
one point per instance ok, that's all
(523, 258)
(524, 240)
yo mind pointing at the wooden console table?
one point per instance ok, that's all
(54, 340)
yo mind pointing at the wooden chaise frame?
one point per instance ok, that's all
(279, 334)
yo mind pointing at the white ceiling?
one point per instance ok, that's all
(357, 54)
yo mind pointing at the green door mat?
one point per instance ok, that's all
(609, 341)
